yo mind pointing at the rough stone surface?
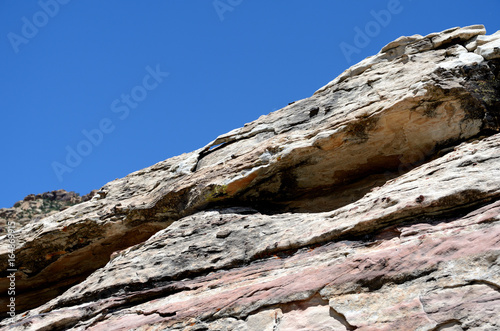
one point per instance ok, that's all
(34, 207)
(490, 50)
(372, 205)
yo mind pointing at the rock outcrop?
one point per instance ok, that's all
(36, 206)
(372, 205)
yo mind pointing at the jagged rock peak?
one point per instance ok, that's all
(371, 205)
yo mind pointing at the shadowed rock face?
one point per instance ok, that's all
(373, 204)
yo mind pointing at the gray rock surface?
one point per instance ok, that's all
(371, 205)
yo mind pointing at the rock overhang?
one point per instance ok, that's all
(331, 153)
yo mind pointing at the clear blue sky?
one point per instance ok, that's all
(90, 77)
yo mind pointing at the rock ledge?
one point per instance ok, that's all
(373, 204)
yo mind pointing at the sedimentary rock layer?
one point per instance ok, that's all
(372, 204)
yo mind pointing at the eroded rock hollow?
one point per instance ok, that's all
(372, 205)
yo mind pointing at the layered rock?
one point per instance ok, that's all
(372, 204)
(36, 206)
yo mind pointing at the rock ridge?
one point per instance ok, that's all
(36, 206)
(346, 210)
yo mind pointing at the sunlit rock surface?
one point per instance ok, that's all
(372, 205)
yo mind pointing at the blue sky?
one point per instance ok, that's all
(94, 90)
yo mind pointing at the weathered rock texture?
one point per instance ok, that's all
(34, 207)
(372, 205)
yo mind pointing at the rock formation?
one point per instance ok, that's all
(34, 207)
(372, 205)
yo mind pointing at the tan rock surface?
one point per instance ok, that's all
(371, 205)
(34, 207)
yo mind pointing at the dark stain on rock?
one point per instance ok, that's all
(359, 130)
(313, 112)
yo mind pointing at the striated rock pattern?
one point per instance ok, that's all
(372, 205)
(36, 206)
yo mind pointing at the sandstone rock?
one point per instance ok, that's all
(490, 50)
(30, 197)
(390, 275)
(412, 45)
(456, 35)
(370, 205)
(480, 40)
(34, 207)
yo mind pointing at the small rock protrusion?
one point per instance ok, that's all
(420, 199)
(99, 195)
(223, 234)
(30, 197)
